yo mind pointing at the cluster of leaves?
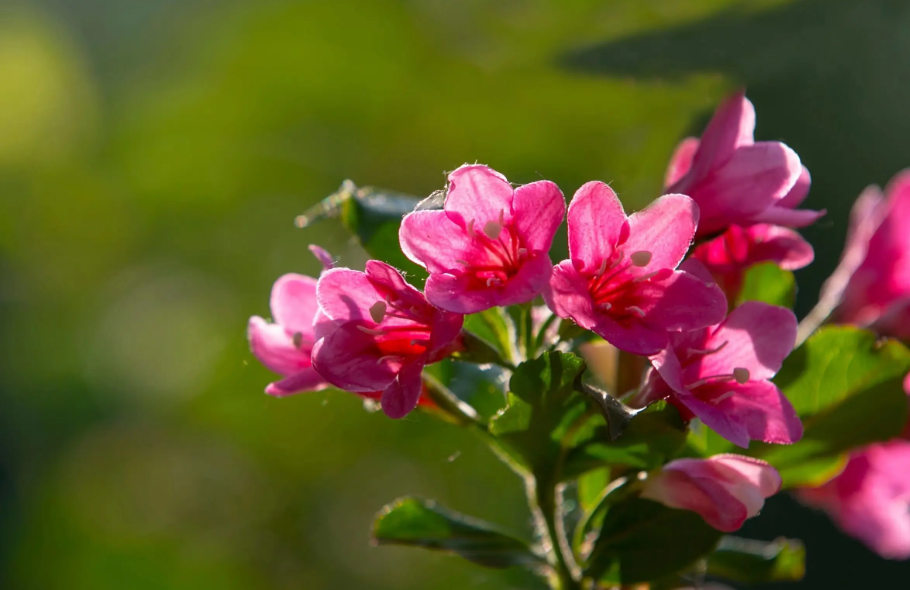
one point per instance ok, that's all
(577, 446)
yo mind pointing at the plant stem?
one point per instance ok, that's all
(542, 501)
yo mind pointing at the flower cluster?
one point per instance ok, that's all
(661, 284)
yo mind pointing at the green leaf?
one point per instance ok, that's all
(495, 329)
(421, 523)
(651, 439)
(373, 215)
(754, 562)
(591, 486)
(543, 403)
(769, 283)
(617, 414)
(641, 540)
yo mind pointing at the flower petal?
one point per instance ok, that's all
(323, 256)
(753, 179)
(681, 160)
(402, 395)
(293, 302)
(731, 127)
(349, 359)
(665, 229)
(432, 240)
(717, 420)
(274, 347)
(477, 193)
(755, 336)
(703, 495)
(567, 295)
(305, 380)
(781, 245)
(596, 224)
(762, 409)
(680, 302)
(345, 295)
(799, 192)
(537, 210)
(788, 217)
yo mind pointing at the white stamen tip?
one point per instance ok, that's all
(470, 229)
(493, 281)
(603, 267)
(741, 375)
(640, 258)
(502, 215)
(637, 310)
(390, 357)
(522, 252)
(371, 331)
(377, 312)
(492, 230)
(462, 262)
(297, 338)
(606, 306)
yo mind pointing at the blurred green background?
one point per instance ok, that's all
(153, 156)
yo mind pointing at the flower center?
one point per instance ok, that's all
(500, 255)
(612, 285)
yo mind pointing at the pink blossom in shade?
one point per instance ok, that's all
(870, 499)
(621, 280)
(285, 346)
(736, 180)
(379, 333)
(489, 245)
(724, 489)
(730, 255)
(873, 278)
(721, 375)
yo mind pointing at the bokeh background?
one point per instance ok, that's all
(153, 156)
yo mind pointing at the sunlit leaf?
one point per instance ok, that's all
(769, 283)
(753, 562)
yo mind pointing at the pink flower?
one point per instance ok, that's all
(379, 334)
(285, 346)
(874, 273)
(736, 180)
(870, 499)
(721, 374)
(490, 244)
(729, 255)
(724, 489)
(620, 280)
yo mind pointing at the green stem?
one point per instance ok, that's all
(545, 510)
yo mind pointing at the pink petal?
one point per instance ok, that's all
(305, 380)
(596, 224)
(632, 336)
(762, 409)
(567, 295)
(388, 280)
(477, 193)
(293, 302)
(755, 336)
(788, 217)
(799, 192)
(695, 268)
(681, 160)
(731, 127)
(781, 245)
(717, 420)
(349, 359)
(274, 347)
(432, 240)
(753, 179)
(402, 395)
(710, 499)
(755, 472)
(322, 256)
(537, 210)
(680, 301)
(458, 294)
(344, 295)
(665, 228)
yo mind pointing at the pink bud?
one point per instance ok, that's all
(725, 489)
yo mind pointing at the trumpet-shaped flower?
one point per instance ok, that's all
(870, 499)
(725, 490)
(736, 180)
(379, 333)
(873, 277)
(721, 375)
(621, 279)
(489, 245)
(285, 346)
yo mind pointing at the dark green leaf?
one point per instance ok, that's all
(543, 403)
(494, 327)
(651, 439)
(641, 540)
(373, 216)
(591, 486)
(753, 562)
(769, 283)
(421, 523)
